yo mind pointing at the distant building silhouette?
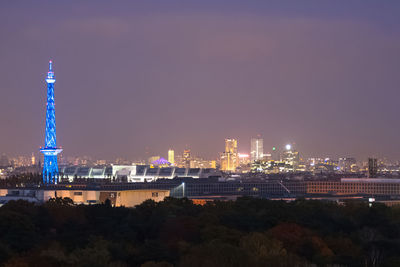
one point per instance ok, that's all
(372, 167)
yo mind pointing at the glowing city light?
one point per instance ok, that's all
(288, 147)
(160, 161)
(50, 150)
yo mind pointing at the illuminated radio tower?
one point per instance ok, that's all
(50, 150)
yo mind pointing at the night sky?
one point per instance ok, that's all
(135, 78)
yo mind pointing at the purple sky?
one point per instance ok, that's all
(160, 74)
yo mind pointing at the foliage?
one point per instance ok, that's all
(175, 232)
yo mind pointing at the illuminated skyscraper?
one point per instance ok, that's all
(257, 151)
(171, 157)
(230, 158)
(291, 158)
(231, 146)
(50, 150)
(186, 158)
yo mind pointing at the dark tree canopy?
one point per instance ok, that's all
(175, 232)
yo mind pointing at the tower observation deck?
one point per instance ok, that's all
(50, 149)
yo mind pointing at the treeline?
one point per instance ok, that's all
(246, 232)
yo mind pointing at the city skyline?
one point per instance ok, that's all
(324, 79)
(199, 133)
(279, 149)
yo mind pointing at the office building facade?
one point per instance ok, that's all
(257, 151)
(230, 157)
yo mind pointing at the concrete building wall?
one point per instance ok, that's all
(127, 198)
(131, 198)
(3, 192)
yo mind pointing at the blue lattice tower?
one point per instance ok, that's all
(50, 150)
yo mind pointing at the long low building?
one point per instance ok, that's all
(353, 186)
(133, 173)
(117, 198)
(131, 194)
(371, 187)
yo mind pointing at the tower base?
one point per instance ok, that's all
(50, 165)
(50, 170)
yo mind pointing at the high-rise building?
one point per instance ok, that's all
(372, 167)
(291, 159)
(230, 158)
(186, 158)
(50, 149)
(171, 157)
(257, 151)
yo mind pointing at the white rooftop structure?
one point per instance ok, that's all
(133, 173)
